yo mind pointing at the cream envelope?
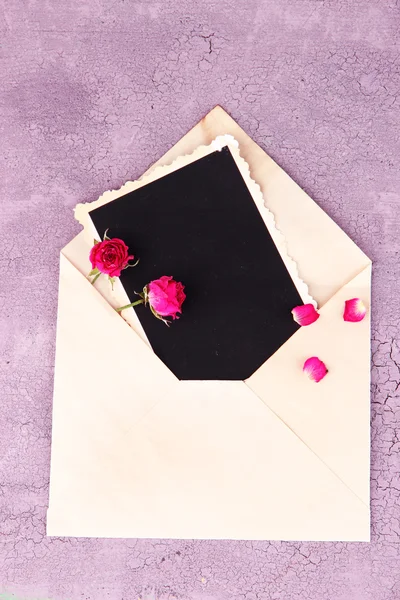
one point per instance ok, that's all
(273, 457)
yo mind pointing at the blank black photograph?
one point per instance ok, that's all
(200, 225)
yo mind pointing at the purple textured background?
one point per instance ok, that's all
(93, 92)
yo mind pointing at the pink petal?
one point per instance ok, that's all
(354, 310)
(305, 314)
(315, 369)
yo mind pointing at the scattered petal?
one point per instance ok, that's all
(354, 310)
(315, 369)
(305, 314)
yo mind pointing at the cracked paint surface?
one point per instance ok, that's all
(92, 93)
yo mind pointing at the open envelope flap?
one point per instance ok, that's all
(326, 257)
(210, 461)
(95, 351)
(333, 416)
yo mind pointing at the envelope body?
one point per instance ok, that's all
(275, 456)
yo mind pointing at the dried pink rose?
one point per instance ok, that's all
(110, 257)
(305, 314)
(315, 369)
(164, 296)
(354, 310)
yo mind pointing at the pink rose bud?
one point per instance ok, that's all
(165, 297)
(305, 314)
(110, 257)
(354, 310)
(315, 369)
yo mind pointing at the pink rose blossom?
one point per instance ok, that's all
(354, 310)
(305, 314)
(166, 296)
(315, 369)
(110, 256)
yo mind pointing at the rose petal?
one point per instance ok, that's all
(305, 314)
(354, 310)
(315, 369)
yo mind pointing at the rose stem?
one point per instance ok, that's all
(129, 305)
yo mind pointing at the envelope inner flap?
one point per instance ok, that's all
(200, 225)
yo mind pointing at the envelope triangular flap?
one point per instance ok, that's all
(326, 257)
(333, 416)
(210, 461)
(95, 352)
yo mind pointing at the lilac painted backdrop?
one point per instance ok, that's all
(93, 91)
